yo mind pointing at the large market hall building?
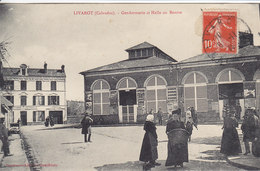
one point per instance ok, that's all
(126, 91)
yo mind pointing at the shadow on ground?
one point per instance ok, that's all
(191, 165)
(207, 141)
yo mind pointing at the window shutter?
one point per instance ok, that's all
(49, 100)
(34, 115)
(34, 100)
(58, 100)
(43, 100)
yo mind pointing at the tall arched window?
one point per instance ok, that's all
(156, 96)
(195, 92)
(100, 98)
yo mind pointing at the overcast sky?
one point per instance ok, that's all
(53, 33)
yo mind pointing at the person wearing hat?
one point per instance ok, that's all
(86, 127)
(149, 152)
(4, 136)
(248, 128)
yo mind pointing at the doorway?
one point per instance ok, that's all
(127, 102)
(57, 116)
(231, 98)
(23, 116)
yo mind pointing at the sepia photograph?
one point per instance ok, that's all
(142, 86)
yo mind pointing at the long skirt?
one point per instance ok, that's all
(230, 144)
(177, 154)
(149, 148)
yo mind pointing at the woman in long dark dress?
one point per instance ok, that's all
(149, 146)
(177, 153)
(230, 144)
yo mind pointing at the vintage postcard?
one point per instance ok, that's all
(129, 86)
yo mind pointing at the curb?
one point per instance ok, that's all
(32, 160)
(242, 166)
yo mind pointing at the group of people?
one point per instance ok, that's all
(49, 121)
(178, 134)
(230, 143)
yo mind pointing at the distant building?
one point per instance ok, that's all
(150, 79)
(36, 93)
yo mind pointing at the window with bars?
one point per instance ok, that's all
(101, 100)
(38, 116)
(195, 92)
(23, 85)
(53, 100)
(23, 100)
(38, 85)
(38, 100)
(156, 94)
(53, 85)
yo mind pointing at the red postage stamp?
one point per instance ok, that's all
(219, 32)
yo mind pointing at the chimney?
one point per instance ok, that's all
(62, 68)
(245, 39)
(45, 67)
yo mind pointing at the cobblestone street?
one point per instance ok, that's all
(118, 148)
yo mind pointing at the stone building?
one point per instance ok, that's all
(36, 93)
(126, 91)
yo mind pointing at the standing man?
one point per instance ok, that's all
(160, 115)
(248, 128)
(86, 127)
(4, 136)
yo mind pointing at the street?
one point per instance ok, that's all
(118, 148)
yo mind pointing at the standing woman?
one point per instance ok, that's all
(177, 152)
(149, 146)
(230, 144)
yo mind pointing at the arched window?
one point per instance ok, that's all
(126, 83)
(195, 92)
(229, 75)
(100, 98)
(156, 96)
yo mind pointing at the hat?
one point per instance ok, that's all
(150, 118)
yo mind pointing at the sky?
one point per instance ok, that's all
(59, 34)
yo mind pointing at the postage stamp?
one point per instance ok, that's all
(219, 32)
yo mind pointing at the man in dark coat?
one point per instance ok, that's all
(160, 116)
(248, 128)
(149, 146)
(4, 136)
(86, 127)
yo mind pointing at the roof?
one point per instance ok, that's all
(34, 72)
(5, 102)
(141, 46)
(243, 52)
(126, 64)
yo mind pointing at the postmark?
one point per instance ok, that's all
(220, 32)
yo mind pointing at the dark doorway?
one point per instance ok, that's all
(127, 99)
(231, 91)
(57, 116)
(23, 116)
(231, 95)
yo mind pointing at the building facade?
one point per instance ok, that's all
(36, 93)
(151, 79)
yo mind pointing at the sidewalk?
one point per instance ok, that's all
(248, 162)
(18, 160)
